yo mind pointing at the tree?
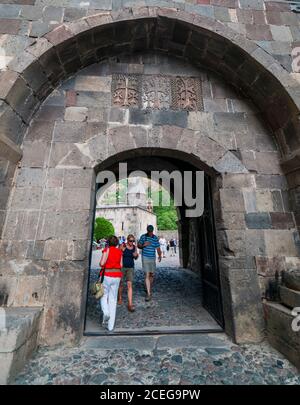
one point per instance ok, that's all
(166, 216)
(103, 228)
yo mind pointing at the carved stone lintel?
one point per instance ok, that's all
(157, 92)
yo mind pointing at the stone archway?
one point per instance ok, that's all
(47, 247)
(72, 46)
(203, 306)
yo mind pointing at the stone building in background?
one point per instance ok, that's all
(175, 85)
(131, 216)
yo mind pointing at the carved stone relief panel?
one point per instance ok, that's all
(125, 90)
(187, 93)
(156, 92)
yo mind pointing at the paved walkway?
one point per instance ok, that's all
(165, 359)
(188, 359)
(176, 302)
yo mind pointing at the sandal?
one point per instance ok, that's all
(131, 308)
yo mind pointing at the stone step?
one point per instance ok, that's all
(219, 342)
(18, 339)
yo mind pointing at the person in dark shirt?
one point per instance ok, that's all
(130, 254)
(172, 247)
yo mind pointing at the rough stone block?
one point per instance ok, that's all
(139, 135)
(30, 292)
(231, 243)
(51, 199)
(255, 242)
(76, 114)
(258, 32)
(277, 201)
(282, 220)
(229, 163)
(252, 4)
(11, 124)
(264, 201)
(210, 152)
(225, 139)
(270, 266)
(291, 279)
(55, 249)
(21, 225)
(281, 33)
(18, 341)
(280, 333)
(30, 177)
(280, 242)
(50, 113)
(93, 83)
(90, 99)
(69, 131)
(9, 26)
(69, 155)
(78, 178)
(289, 298)
(55, 178)
(258, 220)
(272, 181)
(245, 305)
(64, 320)
(178, 118)
(200, 121)
(119, 138)
(232, 200)
(228, 122)
(233, 221)
(35, 154)
(76, 199)
(40, 131)
(250, 200)
(30, 198)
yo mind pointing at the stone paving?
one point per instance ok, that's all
(176, 301)
(198, 359)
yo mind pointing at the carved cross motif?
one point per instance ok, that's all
(125, 91)
(156, 92)
(187, 94)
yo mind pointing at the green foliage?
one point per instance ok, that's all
(166, 216)
(103, 228)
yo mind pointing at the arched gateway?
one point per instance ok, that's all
(140, 95)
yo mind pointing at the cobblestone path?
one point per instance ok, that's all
(176, 301)
(164, 359)
(198, 359)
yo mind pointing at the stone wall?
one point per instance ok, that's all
(128, 220)
(168, 234)
(46, 237)
(269, 23)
